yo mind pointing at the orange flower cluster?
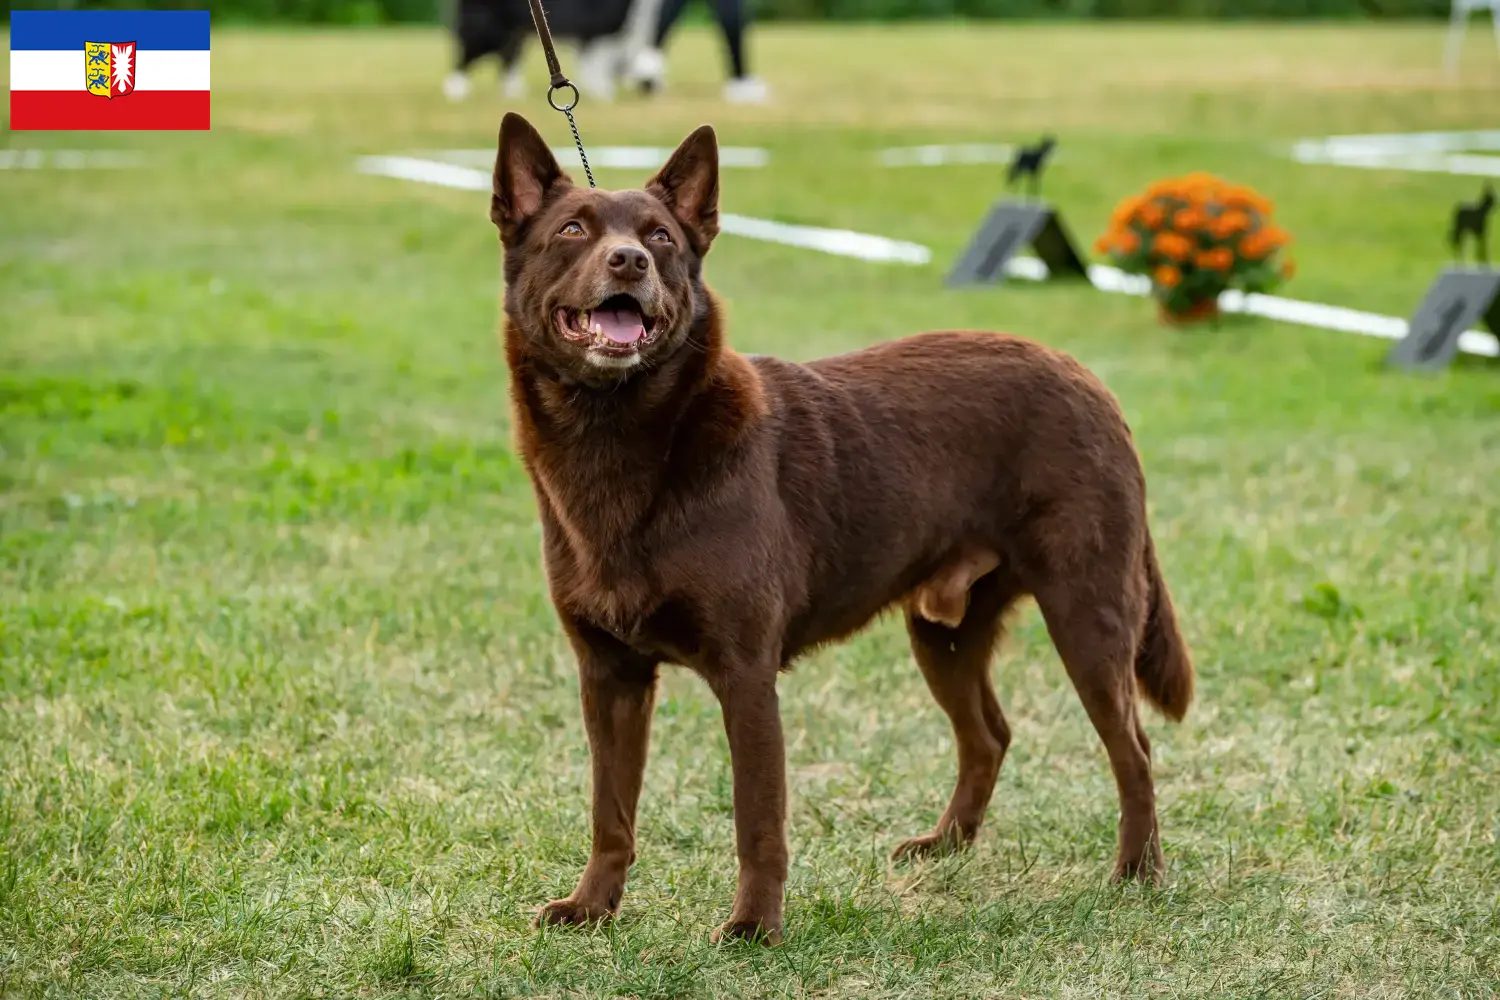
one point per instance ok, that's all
(1230, 223)
(1263, 242)
(1217, 259)
(1173, 246)
(1197, 225)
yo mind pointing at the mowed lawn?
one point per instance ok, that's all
(284, 711)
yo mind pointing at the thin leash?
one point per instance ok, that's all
(559, 82)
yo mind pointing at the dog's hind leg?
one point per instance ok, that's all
(1095, 616)
(956, 664)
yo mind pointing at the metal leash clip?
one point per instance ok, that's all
(559, 83)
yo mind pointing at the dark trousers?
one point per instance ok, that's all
(731, 17)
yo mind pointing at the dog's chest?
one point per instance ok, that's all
(615, 588)
(650, 623)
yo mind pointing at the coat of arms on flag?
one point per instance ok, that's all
(67, 67)
(109, 68)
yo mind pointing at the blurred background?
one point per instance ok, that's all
(284, 709)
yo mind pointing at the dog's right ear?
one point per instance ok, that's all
(526, 173)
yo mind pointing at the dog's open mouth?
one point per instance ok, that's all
(617, 326)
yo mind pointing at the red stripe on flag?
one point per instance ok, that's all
(78, 109)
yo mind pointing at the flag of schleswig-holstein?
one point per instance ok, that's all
(108, 69)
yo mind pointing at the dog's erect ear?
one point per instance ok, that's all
(689, 185)
(525, 172)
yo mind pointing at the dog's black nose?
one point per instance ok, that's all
(628, 262)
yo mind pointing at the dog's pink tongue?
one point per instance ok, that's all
(623, 326)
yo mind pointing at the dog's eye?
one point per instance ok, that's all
(661, 235)
(571, 229)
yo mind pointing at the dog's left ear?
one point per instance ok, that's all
(526, 173)
(689, 185)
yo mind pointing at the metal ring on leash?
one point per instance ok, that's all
(564, 108)
(559, 82)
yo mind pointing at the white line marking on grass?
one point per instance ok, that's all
(943, 155)
(1423, 152)
(865, 246)
(68, 159)
(840, 242)
(1316, 314)
(621, 157)
(1419, 142)
(410, 168)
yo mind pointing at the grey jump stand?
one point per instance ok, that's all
(1459, 298)
(1010, 226)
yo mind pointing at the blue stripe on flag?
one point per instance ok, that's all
(57, 30)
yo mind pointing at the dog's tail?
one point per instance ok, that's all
(1163, 665)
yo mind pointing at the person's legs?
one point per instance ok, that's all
(648, 66)
(671, 10)
(741, 88)
(731, 17)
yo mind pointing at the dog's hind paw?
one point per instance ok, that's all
(929, 845)
(571, 913)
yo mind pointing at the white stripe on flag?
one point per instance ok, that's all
(156, 69)
(172, 70)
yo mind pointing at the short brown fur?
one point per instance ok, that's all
(703, 508)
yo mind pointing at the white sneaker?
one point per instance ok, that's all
(456, 86)
(648, 70)
(515, 84)
(747, 90)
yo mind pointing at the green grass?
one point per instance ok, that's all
(284, 711)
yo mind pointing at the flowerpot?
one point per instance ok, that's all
(1193, 312)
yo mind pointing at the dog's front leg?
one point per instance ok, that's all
(618, 689)
(752, 718)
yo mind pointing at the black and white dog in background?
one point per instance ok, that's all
(618, 40)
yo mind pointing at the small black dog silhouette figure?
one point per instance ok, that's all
(1030, 161)
(1473, 220)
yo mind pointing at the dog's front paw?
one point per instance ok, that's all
(929, 845)
(1147, 871)
(572, 913)
(755, 931)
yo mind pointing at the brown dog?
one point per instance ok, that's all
(702, 508)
